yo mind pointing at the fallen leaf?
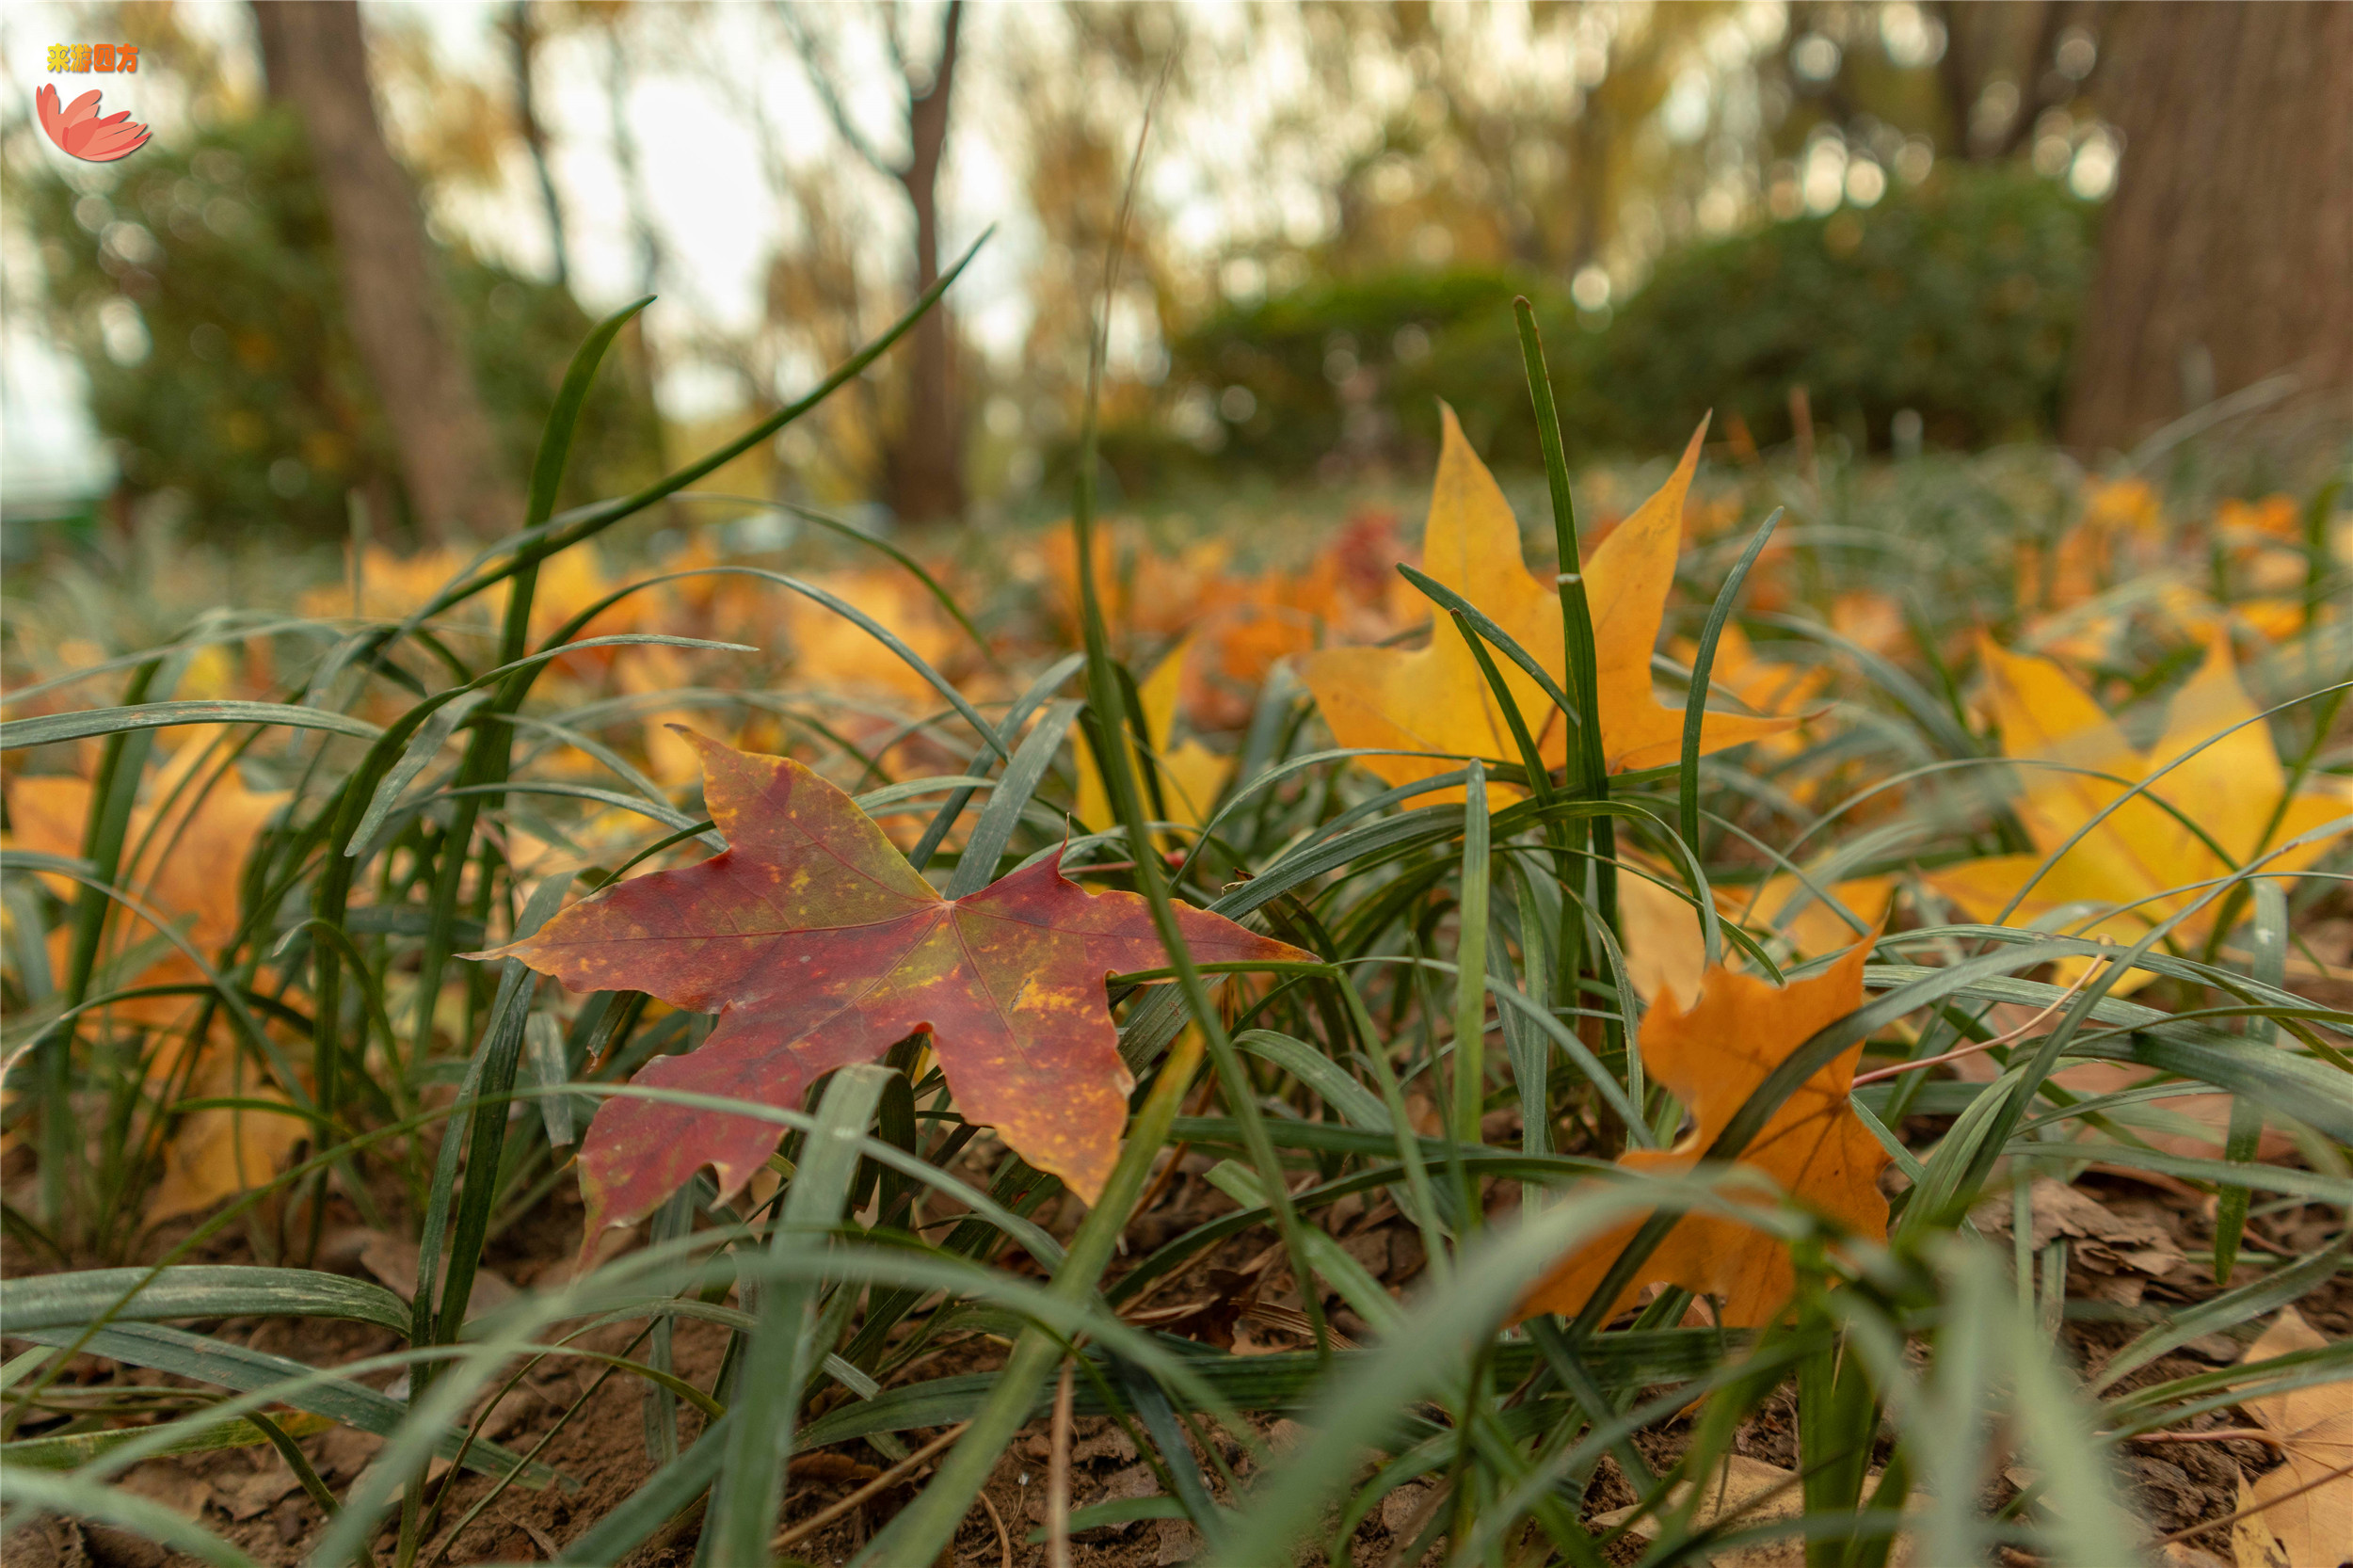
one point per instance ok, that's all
(643, 671)
(832, 652)
(394, 1260)
(219, 1152)
(1666, 951)
(2123, 524)
(392, 587)
(569, 581)
(2252, 1544)
(1435, 698)
(1144, 594)
(2140, 863)
(1713, 1057)
(819, 945)
(1191, 773)
(2120, 1252)
(187, 853)
(1769, 686)
(2315, 1426)
(1870, 620)
(257, 1493)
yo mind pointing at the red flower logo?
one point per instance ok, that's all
(78, 130)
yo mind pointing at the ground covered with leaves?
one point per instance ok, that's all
(1303, 1032)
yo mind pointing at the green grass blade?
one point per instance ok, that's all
(1703, 665)
(2268, 935)
(976, 868)
(72, 1450)
(1470, 969)
(563, 423)
(1427, 1357)
(285, 1381)
(2226, 1311)
(1455, 604)
(1357, 1105)
(195, 1291)
(51, 728)
(486, 1139)
(778, 1358)
(930, 1522)
(423, 746)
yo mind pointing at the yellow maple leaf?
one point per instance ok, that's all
(1191, 773)
(2314, 1429)
(1713, 1057)
(1435, 698)
(2141, 863)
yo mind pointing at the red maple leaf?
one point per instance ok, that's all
(819, 945)
(77, 129)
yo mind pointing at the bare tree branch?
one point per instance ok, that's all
(815, 62)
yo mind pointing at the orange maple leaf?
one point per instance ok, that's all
(1713, 1057)
(1666, 950)
(1435, 698)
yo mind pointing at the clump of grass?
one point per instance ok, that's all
(445, 1098)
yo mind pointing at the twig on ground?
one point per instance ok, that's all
(1004, 1542)
(1880, 1074)
(1058, 1476)
(889, 1477)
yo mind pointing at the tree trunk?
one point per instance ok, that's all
(2225, 255)
(317, 60)
(927, 463)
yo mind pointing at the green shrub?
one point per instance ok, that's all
(1340, 361)
(1956, 300)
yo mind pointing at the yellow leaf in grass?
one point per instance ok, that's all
(2315, 1428)
(1435, 698)
(1712, 1057)
(1665, 949)
(1192, 776)
(2141, 862)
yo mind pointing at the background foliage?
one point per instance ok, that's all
(235, 383)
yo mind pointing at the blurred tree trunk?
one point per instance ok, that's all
(2225, 255)
(924, 459)
(316, 60)
(927, 470)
